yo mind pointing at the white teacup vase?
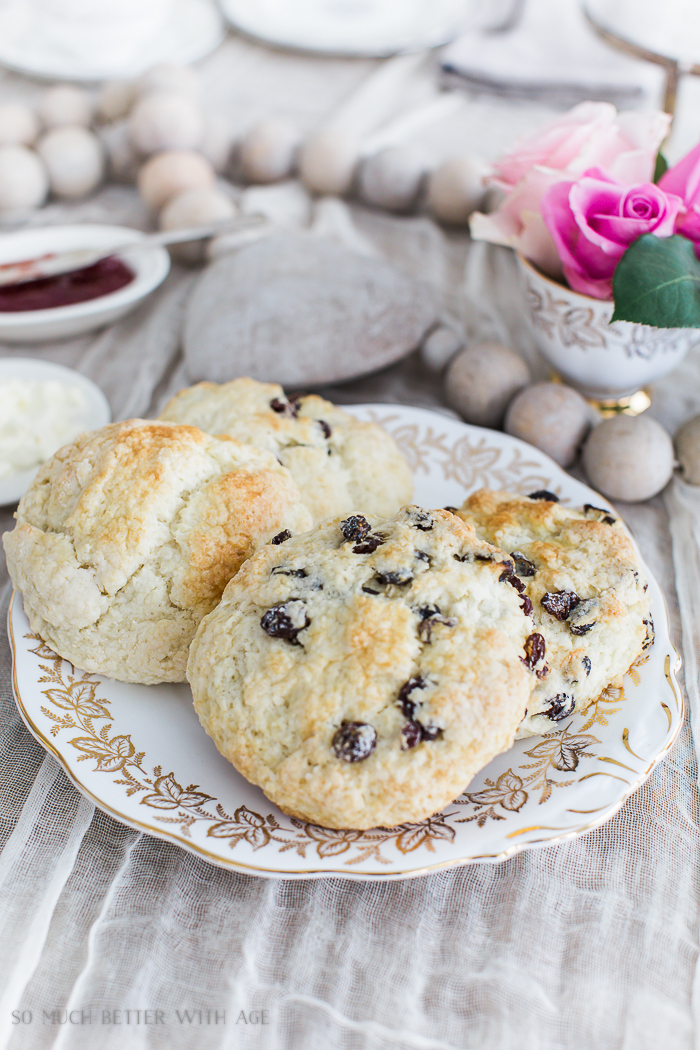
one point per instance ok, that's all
(606, 362)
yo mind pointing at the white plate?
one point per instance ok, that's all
(150, 267)
(351, 27)
(192, 29)
(97, 410)
(139, 753)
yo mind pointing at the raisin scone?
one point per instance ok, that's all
(361, 674)
(128, 536)
(582, 575)
(340, 464)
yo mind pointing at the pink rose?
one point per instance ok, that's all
(517, 223)
(591, 135)
(684, 180)
(595, 219)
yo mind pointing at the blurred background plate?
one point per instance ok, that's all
(31, 42)
(350, 27)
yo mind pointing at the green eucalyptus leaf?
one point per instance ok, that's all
(661, 166)
(657, 282)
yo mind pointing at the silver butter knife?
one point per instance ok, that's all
(54, 263)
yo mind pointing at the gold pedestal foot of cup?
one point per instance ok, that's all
(632, 405)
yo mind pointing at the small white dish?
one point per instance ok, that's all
(150, 266)
(191, 30)
(97, 410)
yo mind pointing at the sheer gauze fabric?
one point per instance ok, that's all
(589, 944)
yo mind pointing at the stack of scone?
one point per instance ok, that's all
(358, 658)
(127, 537)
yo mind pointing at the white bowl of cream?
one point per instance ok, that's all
(43, 406)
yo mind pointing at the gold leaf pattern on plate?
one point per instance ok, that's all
(118, 754)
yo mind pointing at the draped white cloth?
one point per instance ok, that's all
(109, 938)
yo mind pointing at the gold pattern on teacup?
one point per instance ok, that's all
(589, 329)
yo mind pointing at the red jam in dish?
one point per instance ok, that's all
(63, 289)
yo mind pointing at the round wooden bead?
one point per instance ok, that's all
(170, 173)
(115, 100)
(628, 458)
(123, 161)
(327, 161)
(74, 159)
(440, 347)
(392, 178)
(18, 125)
(267, 152)
(482, 380)
(24, 181)
(552, 417)
(169, 76)
(216, 141)
(455, 190)
(164, 121)
(687, 443)
(63, 105)
(194, 208)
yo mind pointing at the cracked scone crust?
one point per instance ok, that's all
(361, 674)
(340, 464)
(128, 536)
(588, 592)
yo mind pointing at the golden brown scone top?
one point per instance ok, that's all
(405, 630)
(340, 464)
(142, 522)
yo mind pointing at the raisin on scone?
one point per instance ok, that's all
(339, 463)
(582, 576)
(128, 536)
(362, 673)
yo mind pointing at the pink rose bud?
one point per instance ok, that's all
(595, 219)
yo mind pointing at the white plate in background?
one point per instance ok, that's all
(191, 30)
(349, 27)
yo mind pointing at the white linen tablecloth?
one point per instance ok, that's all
(592, 944)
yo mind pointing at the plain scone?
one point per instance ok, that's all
(128, 536)
(589, 596)
(341, 465)
(362, 673)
